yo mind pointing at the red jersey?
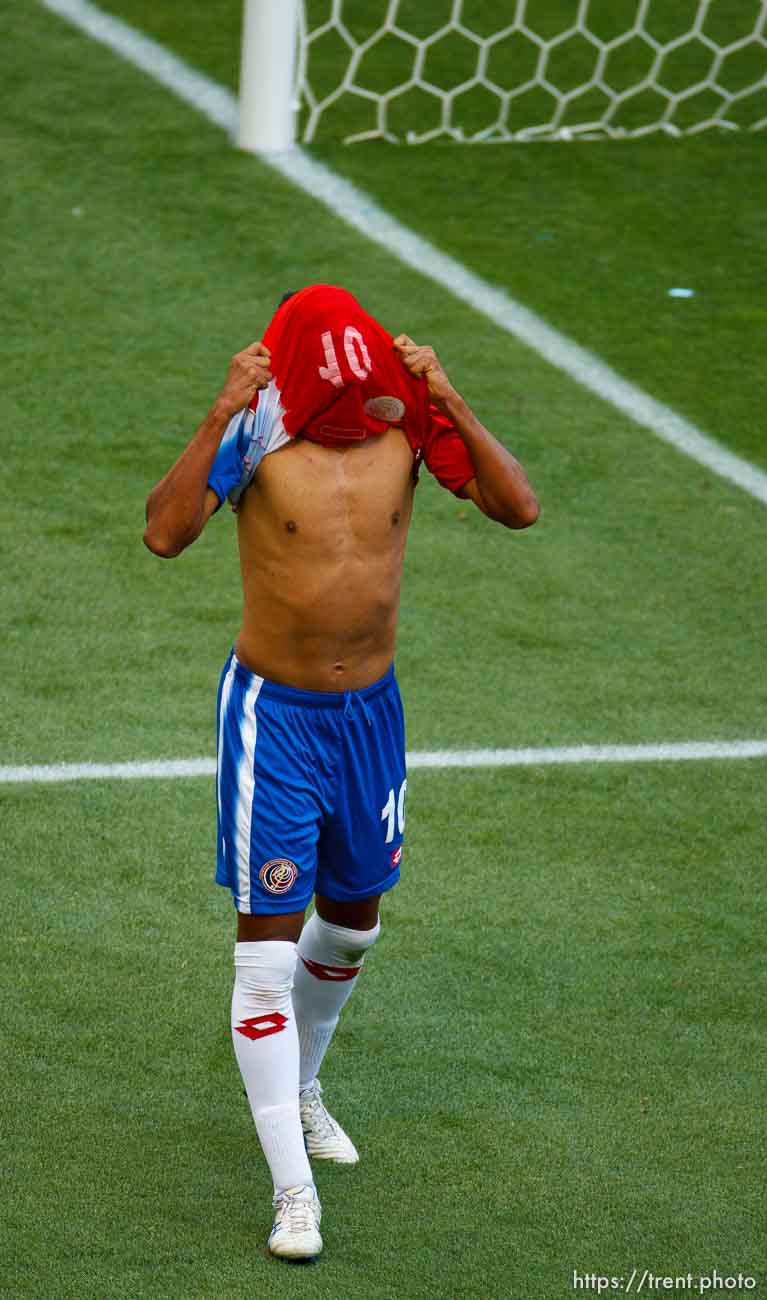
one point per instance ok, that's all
(339, 380)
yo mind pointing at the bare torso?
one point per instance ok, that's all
(322, 534)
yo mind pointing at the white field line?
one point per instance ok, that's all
(356, 208)
(684, 751)
(37, 774)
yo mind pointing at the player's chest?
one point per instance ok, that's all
(361, 484)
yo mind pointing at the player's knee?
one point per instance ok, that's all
(264, 970)
(337, 945)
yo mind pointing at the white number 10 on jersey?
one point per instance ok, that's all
(388, 811)
(356, 354)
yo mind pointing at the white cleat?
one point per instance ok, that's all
(296, 1231)
(324, 1138)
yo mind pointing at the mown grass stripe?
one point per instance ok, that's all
(359, 210)
(215, 102)
(164, 769)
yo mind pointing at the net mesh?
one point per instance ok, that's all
(498, 70)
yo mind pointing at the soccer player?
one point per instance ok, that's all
(316, 438)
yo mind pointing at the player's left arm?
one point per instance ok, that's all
(501, 488)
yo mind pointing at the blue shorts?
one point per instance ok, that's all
(311, 791)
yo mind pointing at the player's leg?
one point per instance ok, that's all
(331, 953)
(267, 856)
(359, 914)
(359, 855)
(267, 1051)
(266, 1041)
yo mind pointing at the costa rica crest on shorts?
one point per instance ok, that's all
(278, 874)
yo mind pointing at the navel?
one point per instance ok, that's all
(291, 526)
(395, 518)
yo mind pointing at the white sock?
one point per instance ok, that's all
(266, 1046)
(331, 959)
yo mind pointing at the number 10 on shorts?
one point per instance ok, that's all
(389, 809)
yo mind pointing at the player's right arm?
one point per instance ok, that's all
(181, 504)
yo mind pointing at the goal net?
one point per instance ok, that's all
(495, 70)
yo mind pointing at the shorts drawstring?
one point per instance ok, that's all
(350, 697)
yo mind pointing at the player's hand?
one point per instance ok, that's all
(423, 361)
(248, 371)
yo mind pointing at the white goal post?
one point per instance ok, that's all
(366, 69)
(268, 90)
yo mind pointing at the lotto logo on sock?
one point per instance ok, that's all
(278, 875)
(321, 971)
(260, 1026)
(396, 856)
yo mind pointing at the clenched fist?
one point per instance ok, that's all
(248, 371)
(424, 361)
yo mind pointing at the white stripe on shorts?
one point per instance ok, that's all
(245, 788)
(226, 691)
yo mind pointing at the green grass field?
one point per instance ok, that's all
(555, 1060)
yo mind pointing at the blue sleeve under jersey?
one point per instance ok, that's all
(237, 458)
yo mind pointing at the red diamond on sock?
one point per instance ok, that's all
(323, 972)
(260, 1026)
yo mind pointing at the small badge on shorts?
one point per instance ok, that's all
(390, 409)
(278, 874)
(396, 856)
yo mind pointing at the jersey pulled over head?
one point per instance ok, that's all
(336, 371)
(336, 380)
